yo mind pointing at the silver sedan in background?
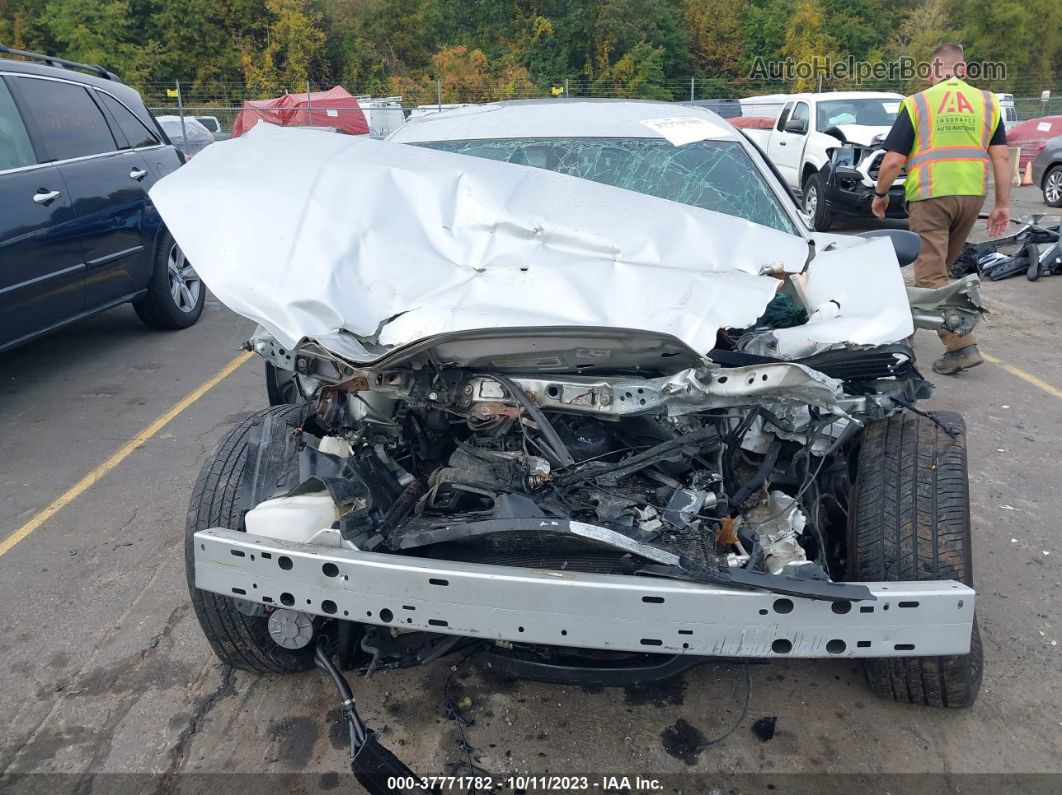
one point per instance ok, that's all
(191, 138)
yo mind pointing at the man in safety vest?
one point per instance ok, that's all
(947, 136)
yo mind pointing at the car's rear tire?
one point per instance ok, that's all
(815, 202)
(220, 499)
(910, 520)
(1053, 186)
(175, 295)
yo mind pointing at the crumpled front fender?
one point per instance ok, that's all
(956, 308)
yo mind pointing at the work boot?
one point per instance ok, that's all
(954, 362)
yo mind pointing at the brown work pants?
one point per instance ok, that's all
(943, 224)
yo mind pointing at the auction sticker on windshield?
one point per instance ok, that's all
(681, 130)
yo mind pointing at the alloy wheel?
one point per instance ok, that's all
(185, 284)
(1053, 186)
(811, 200)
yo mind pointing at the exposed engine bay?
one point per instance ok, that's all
(707, 473)
(483, 473)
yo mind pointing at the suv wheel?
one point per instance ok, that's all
(176, 294)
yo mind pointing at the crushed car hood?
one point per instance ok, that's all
(366, 247)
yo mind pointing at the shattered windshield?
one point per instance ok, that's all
(714, 175)
(869, 112)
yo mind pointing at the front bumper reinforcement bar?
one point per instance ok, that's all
(595, 611)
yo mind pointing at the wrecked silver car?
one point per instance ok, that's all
(609, 435)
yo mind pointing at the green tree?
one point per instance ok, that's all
(639, 73)
(24, 26)
(716, 33)
(922, 29)
(806, 38)
(466, 75)
(232, 49)
(201, 42)
(639, 42)
(1045, 56)
(294, 49)
(999, 30)
(765, 25)
(103, 33)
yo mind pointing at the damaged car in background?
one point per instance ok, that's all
(600, 435)
(845, 184)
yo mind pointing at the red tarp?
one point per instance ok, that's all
(333, 108)
(1030, 135)
(752, 122)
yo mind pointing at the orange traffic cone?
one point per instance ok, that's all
(1027, 177)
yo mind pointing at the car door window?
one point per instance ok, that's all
(15, 147)
(783, 117)
(136, 132)
(801, 113)
(68, 120)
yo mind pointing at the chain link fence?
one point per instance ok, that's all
(218, 103)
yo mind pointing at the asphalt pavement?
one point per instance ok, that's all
(107, 682)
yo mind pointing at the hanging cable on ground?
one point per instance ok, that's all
(375, 768)
(744, 709)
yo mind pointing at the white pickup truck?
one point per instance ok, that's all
(806, 138)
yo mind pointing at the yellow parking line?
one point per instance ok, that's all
(1017, 371)
(123, 452)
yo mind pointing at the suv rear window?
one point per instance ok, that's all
(15, 148)
(135, 131)
(70, 123)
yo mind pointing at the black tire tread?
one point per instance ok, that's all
(911, 521)
(238, 640)
(823, 219)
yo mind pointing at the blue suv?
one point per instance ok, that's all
(78, 234)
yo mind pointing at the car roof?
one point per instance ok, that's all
(842, 95)
(116, 87)
(190, 121)
(553, 118)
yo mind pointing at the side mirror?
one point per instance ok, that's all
(799, 126)
(907, 244)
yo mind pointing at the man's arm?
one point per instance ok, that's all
(1000, 215)
(898, 145)
(891, 166)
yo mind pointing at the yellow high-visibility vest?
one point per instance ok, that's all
(953, 124)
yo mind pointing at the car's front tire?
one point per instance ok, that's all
(1053, 186)
(815, 202)
(175, 295)
(220, 499)
(910, 520)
